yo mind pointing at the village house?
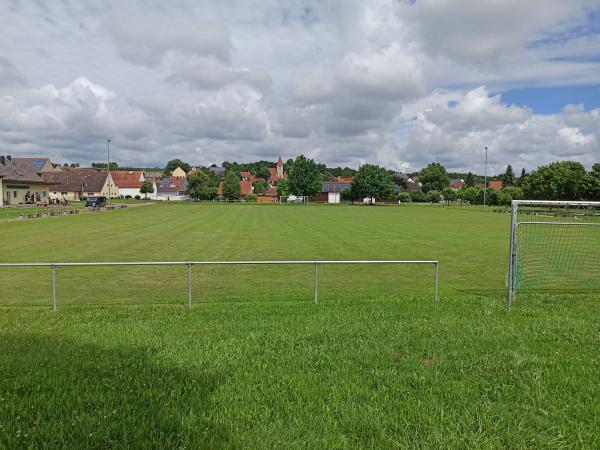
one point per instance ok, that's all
(178, 173)
(456, 184)
(496, 185)
(172, 189)
(72, 184)
(247, 176)
(20, 184)
(129, 182)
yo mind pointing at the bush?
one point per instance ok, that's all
(83, 198)
(127, 197)
(434, 196)
(251, 198)
(404, 197)
(419, 197)
(137, 197)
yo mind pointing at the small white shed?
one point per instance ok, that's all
(333, 197)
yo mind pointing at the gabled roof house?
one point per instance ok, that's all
(20, 184)
(74, 183)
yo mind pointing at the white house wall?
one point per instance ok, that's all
(133, 192)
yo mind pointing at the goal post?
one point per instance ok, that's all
(554, 245)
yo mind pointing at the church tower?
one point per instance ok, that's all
(280, 167)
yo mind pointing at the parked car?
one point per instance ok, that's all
(95, 201)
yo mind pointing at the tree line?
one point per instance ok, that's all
(561, 180)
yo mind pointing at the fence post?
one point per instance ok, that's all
(316, 282)
(437, 266)
(189, 286)
(53, 287)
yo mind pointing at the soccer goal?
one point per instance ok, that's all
(294, 199)
(554, 245)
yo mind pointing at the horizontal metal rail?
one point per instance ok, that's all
(189, 264)
(206, 263)
(554, 203)
(594, 224)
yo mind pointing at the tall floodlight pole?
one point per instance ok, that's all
(485, 177)
(108, 166)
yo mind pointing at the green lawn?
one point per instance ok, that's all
(256, 364)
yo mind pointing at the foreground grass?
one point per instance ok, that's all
(380, 373)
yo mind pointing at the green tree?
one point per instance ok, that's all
(519, 182)
(470, 180)
(491, 197)
(328, 176)
(419, 197)
(231, 185)
(260, 186)
(404, 197)
(174, 164)
(263, 172)
(146, 188)
(201, 186)
(373, 182)
(508, 179)
(434, 177)
(449, 195)
(507, 195)
(471, 195)
(113, 165)
(563, 180)
(593, 192)
(434, 196)
(515, 193)
(305, 177)
(283, 188)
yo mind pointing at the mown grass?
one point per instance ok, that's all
(380, 373)
(256, 364)
(470, 245)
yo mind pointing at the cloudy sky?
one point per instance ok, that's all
(395, 82)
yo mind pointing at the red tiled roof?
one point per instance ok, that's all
(245, 187)
(496, 185)
(271, 192)
(248, 176)
(344, 179)
(127, 179)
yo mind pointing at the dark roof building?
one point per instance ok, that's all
(20, 184)
(40, 165)
(77, 182)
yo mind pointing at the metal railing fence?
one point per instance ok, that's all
(189, 265)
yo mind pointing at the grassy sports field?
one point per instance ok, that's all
(256, 364)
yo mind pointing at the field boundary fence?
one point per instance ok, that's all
(190, 264)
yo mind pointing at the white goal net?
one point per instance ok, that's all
(293, 199)
(554, 246)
